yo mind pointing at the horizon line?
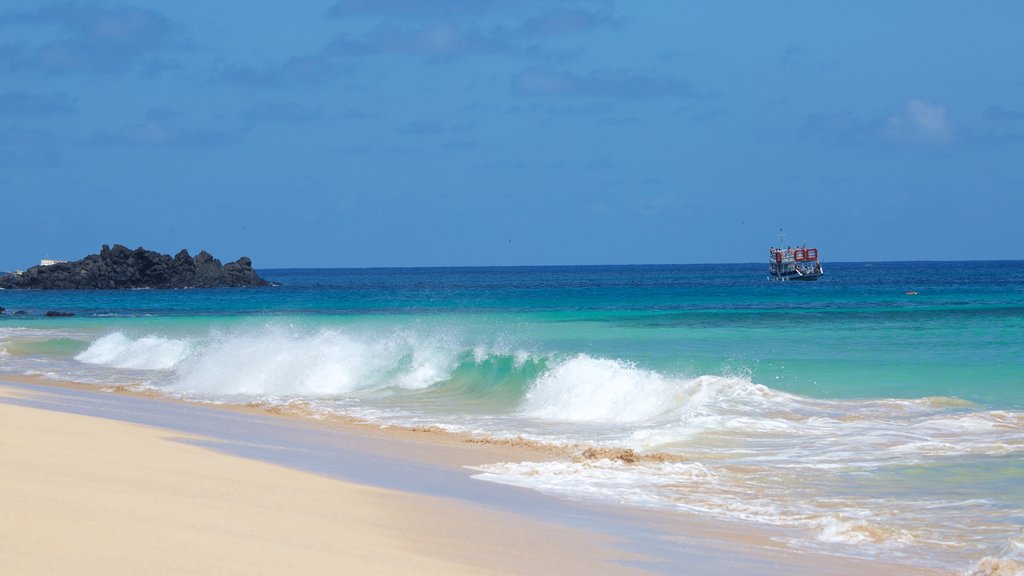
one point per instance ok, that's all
(650, 265)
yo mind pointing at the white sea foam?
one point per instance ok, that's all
(587, 389)
(1009, 561)
(603, 479)
(147, 353)
(991, 566)
(277, 362)
(839, 530)
(709, 490)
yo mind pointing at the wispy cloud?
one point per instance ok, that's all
(454, 28)
(565, 21)
(305, 70)
(710, 115)
(1001, 114)
(438, 40)
(617, 84)
(18, 137)
(430, 126)
(20, 103)
(422, 128)
(355, 150)
(161, 128)
(842, 128)
(503, 165)
(420, 9)
(27, 147)
(92, 39)
(462, 145)
(266, 111)
(1002, 127)
(920, 122)
(442, 31)
(562, 109)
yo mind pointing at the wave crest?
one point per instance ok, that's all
(147, 353)
(587, 389)
(325, 364)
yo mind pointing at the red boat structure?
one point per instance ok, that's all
(800, 263)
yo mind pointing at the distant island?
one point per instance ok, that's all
(120, 267)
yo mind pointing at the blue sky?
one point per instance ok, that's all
(512, 132)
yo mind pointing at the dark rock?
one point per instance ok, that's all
(2, 309)
(121, 267)
(57, 314)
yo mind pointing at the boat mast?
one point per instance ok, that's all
(777, 264)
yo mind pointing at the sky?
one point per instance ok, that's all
(365, 133)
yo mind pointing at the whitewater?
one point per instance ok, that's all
(876, 413)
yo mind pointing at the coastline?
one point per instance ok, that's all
(91, 495)
(295, 492)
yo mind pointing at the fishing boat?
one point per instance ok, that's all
(800, 263)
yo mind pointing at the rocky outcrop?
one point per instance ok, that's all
(121, 267)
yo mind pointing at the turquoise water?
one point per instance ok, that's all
(876, 412)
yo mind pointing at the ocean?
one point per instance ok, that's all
(877, 412)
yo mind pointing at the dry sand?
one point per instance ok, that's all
(86, 495)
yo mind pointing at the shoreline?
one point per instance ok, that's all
(423, 472)
(91, 495)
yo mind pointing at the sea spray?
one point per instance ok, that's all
(147, 353)
(323, 364)
(585, 389)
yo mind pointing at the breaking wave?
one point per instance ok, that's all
(288, 363)
(147, 353)
(586, 389)
(557, 397)
(320, 365)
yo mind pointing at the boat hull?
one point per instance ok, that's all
(796, 276)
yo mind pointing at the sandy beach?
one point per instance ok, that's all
(99, 483)
(87, 495)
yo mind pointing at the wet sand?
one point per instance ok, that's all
(98, 483)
